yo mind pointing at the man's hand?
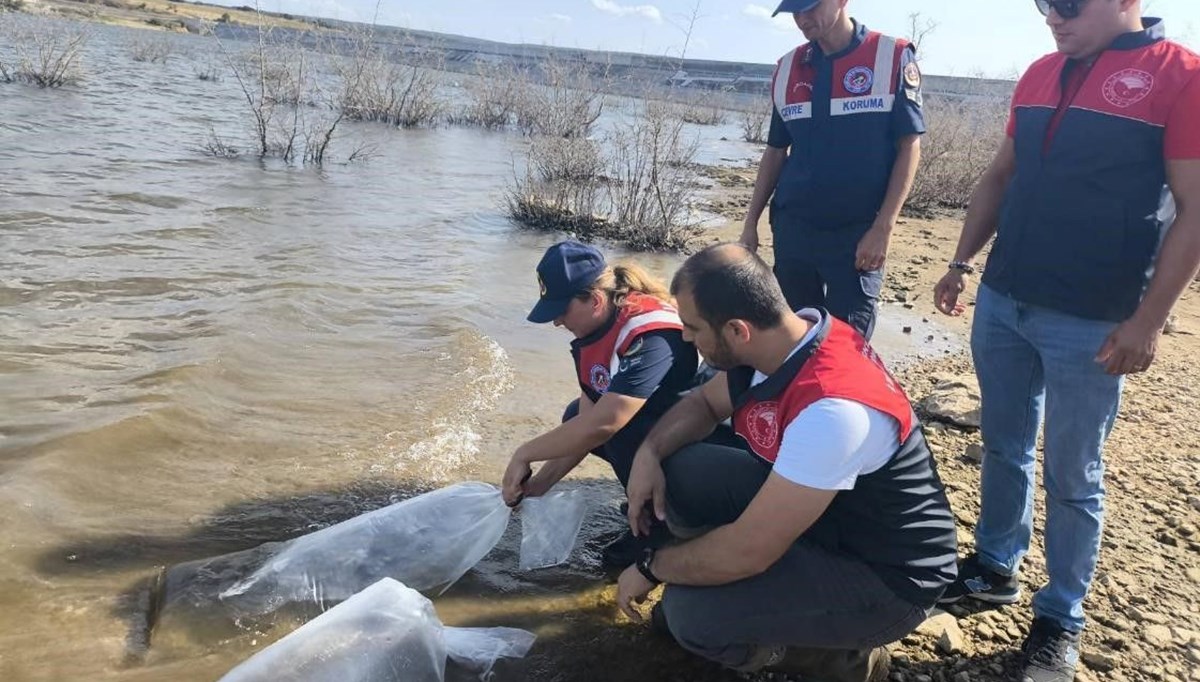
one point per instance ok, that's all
(947, 290)
(513, 486)
(632, 588)
(1130, 348)
(749, 237)
(647, 488)
(873, 247)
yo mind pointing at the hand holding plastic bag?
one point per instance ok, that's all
(549, 526)
(425, 542)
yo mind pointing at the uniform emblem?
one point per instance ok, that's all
(912, 75)
(599, 378)
(541, 286)
(859, 80)
(1128, 87)
(763, 423)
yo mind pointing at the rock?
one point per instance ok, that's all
(1183, 636)
(985, 631)
(955, 400)
(937, 623)
(896, 676)
(1100, 661)
(1146, 616)
(951, 640)
(1193, 655)
(964, 676)
(1172, 325)
(1157, 635)
(907, 330)
(1194, 502)
(1014, 633)
(923, 678)
(974, 453)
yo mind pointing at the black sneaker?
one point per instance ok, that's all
(1050, 653)
(623, 552)
(975, 581)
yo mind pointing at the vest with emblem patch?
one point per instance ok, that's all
(1082, 218)
(838, 112)
(597, 361)
(896, 519)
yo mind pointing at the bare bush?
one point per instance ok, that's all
(12, 5)
(706, 109)
(566, 100)
(45, 54)
(216, 147)
(377, 87)
(293, 116)
(962, 140)
(637, 188)
(152, 50)
(652, 188)
(755, 120)
(208, 72)
(493, 96)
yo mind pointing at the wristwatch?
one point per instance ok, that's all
(962, 266)
(643, 566)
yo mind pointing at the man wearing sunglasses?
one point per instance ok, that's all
(1079, 283)
(841, 156)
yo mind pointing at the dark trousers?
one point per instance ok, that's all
(816, 268)
(623, 445)
(811, 597)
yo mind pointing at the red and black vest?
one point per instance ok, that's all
(896, 519)
(597, 360)
(838, 111)
(1082, 218)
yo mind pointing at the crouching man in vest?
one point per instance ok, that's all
(832, 536)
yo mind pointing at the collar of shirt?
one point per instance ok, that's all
(860, 34)
(812, 315)
(1153, 31)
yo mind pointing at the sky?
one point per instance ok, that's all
(996, 38)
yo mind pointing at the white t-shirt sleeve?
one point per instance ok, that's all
(834, 441)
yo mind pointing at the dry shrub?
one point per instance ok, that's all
(756, 119)
(377, 87)
(152, 50)
(493, 96)
(565, 100)
(43, 53)
(637, 188)
(293, 114)
(962, 139)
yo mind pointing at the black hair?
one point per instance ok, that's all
(727, 282)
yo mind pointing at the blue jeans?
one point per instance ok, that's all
(1034, 362)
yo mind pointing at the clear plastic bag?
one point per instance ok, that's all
(549, 527)
(386, 633)
(425, 542)
(478, 649)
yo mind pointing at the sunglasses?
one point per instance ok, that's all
(1067, 9)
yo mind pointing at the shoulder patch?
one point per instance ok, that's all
(912, 75)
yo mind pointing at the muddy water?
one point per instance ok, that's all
(199, 355)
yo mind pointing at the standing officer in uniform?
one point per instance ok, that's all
(841, 156)
(1077, 288)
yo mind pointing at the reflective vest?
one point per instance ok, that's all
(598, 361)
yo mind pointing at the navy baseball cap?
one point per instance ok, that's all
(567, 269)
(796, 6)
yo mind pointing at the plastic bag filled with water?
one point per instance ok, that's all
(425, 542)
(478, 649)
(385, 633)
(549, 526)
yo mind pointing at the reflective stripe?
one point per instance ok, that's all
(636, 323)
(885, 66)
(870, 104)
(783, 76)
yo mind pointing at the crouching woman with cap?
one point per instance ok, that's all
(631, 363)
